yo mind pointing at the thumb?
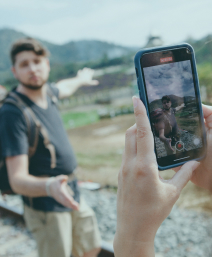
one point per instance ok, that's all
(181, 178)
(93, 82)
(70, 202)
(62, 178)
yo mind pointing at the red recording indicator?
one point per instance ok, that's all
(166, 59)
(179, 145)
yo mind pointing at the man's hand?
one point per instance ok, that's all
(28, 185)
(85, 77)
(68, 86)
(165, 140)
(59, 191)
(202, 176)
(168, 143)
(144, 199)
(180, 107)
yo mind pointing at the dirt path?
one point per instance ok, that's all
(99, 149)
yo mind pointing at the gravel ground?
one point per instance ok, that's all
(15, 238)
(103, 202)
(190, 142)
(185, 233)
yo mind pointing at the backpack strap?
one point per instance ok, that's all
(32, 127)
(33, 139)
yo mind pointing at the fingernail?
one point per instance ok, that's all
(195, 165)
(135, 101)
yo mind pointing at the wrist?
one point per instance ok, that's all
(48, 186)
(167, 140)
(79, 81)
(128, 247)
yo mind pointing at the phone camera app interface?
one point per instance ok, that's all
(173, 107)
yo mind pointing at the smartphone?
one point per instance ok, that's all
(168, 86)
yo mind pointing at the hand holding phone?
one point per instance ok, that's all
(144, 199)
(168, 86)
(202, 176)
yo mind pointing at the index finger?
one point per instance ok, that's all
(207, 110)
(145, 142)
(67, 198)
(69, 202)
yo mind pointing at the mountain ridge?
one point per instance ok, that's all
(73, 51)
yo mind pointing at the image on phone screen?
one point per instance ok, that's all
(173, 108)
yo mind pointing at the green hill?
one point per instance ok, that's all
(203, 53)
(66, 59)
(176, 101)
(202, 48)
(75, 51)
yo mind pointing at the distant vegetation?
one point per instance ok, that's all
(67, 59)
(203, 49)
(203, 53)
(205, 78)
(59, 71)
(108, 82)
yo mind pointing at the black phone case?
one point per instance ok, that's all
(142, 92)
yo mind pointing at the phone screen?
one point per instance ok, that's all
(173, 105)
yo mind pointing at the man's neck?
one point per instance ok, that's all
(168, 111)
(37, 96)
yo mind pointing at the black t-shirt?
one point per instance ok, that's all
(14, 141)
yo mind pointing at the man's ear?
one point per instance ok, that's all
(14, 71)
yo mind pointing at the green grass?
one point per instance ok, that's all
(78, 119)
(182, 114)
(93, 160)
(191, 124)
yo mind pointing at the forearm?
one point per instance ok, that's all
(29, 185)
(163, 139)
(68, 86)
(178, 108)
(25, 184)
(32, 186)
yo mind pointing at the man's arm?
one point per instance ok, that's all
(68, 86)
(25, 184)
(180, 107)
(161, 136)
(164, 139)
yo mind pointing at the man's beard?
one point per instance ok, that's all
(167, 108)
(33, 87)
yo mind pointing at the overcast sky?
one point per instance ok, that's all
(120, 21)
(169, 79)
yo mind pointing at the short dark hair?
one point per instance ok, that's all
(165, 97)
(27, 44)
